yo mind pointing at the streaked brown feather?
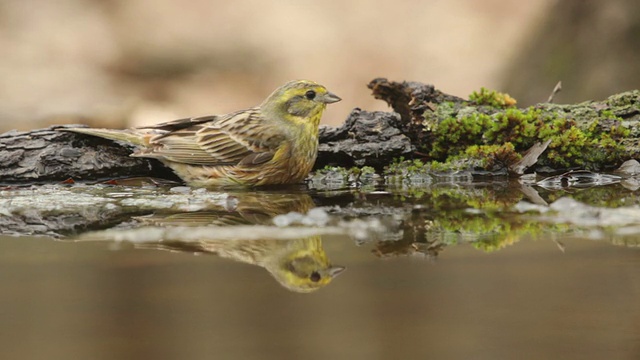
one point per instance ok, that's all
(179, 124)
(215, 140)
(256, 159)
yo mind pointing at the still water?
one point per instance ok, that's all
(446, 281)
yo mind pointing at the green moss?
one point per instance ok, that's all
(334, 170)
(462, 140)
(492, 98)
(446, 109)
(367, 170)
(400, 166)
(452, 136)
(335, 177)
(489, 156)
(514, 126)
(590, 149)
(403, 173)
(625, 100)
(364, 177)
(344, 173)
(452, 164)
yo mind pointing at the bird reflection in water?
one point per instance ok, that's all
(299, 264)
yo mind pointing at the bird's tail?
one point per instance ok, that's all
(134, 137)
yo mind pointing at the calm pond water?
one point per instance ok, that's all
(442, 272)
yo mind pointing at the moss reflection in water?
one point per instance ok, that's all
(611, 196)
(481, 215)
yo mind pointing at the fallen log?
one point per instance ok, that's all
(425, 123)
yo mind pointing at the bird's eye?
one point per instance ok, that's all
(315, 276)
(310, 94)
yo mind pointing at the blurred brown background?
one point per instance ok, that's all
(118, 63)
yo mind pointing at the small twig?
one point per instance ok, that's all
(529, 158)
(555, 91)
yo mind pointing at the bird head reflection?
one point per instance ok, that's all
(299, 263)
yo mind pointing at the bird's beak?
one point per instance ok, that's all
(336, 270)
(329, 98)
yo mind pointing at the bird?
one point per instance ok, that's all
(273, 143)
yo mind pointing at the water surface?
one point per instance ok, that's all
(454, 279)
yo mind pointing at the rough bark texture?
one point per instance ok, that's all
(410, 99)
(48, 155)
(365, 139)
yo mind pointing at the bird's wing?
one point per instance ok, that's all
(181, 123)
(238, 138)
